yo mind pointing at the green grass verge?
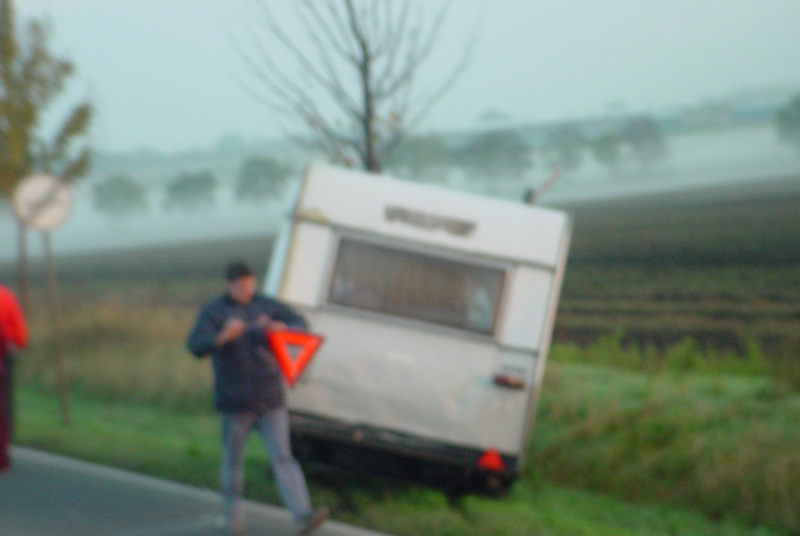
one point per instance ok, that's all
(725, 445)
(184, 446)
(636, 424)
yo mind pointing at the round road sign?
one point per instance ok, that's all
(42, 201)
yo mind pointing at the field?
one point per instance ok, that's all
(721, 266)
(671, 400)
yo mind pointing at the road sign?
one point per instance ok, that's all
(42, 201)
(283, 341)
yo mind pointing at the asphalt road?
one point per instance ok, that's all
(49, 495)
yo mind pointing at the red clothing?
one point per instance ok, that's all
(12, 324)
(13, 331)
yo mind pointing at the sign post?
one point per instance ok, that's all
(44, 202)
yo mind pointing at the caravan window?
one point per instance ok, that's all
(417, 286)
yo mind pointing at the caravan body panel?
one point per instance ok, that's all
(437, 306)
(438, 216)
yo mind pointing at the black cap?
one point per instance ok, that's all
(237, 270)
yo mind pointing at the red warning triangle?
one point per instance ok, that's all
(492, 460)
(282, 341)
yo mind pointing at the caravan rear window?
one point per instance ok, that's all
(417, 286)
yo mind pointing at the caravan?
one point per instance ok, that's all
(437, 307)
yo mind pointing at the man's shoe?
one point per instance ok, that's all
(319, 517)
(223, 527)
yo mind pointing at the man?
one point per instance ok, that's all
(248, 391)
(13, 333)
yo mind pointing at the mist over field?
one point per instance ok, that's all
(724, 159)
(178, 103)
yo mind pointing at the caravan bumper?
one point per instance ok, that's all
(308, 427)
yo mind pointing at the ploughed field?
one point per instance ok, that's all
(720, 265)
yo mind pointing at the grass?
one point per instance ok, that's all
(724, 445)
(123, 351)
(686, 355)
(685, 427)
(183, 445)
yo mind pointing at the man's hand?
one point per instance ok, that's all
(232, 330)
(271, 325)
(277, 325)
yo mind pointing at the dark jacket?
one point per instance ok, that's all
(246, 374)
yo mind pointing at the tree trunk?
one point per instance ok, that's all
(368, 119)
(370, 158)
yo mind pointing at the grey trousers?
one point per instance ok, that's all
(273, 427)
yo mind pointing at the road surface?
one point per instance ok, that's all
(50, 495)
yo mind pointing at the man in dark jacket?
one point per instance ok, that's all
(248, 391)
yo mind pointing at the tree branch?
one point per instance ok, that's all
(333, 40)
(386, 42)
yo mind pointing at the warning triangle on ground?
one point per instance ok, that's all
(283, 341)
(492, 460)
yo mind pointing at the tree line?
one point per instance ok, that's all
(508, 154)
(258, 179)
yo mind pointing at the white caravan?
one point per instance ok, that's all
(437, 307)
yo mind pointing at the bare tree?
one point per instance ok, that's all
(359, 58)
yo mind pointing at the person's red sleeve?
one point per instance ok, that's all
(12, 321)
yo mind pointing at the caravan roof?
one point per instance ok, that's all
(433, 215)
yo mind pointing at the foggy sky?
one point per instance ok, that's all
(162, 73)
